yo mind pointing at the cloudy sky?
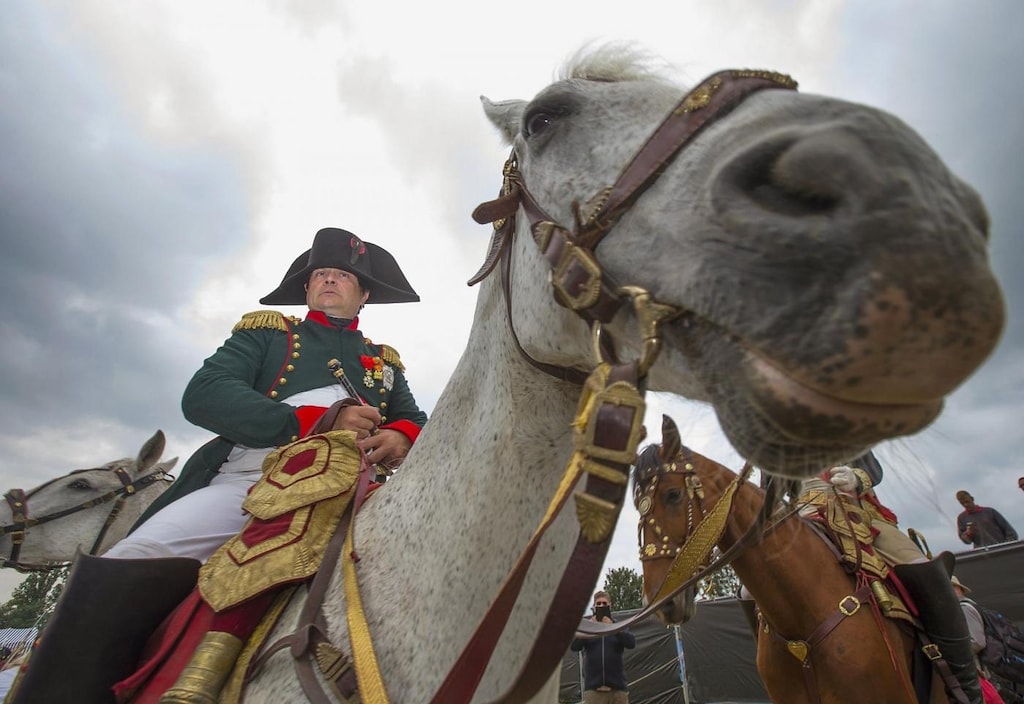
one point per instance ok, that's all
(162, 162)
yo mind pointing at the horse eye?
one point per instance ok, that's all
(673, 496)
(80, 484)
(537, 122)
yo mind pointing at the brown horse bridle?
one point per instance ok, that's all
(615, 429)
(705, 524)
(17, 500)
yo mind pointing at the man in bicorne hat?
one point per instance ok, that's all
(269, 384)
(266, 386)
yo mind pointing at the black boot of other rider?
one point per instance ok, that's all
(105, 615)
(942, 618)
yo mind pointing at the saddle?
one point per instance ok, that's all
(847, 527)
(208, 646)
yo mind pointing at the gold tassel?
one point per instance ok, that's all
(204, 676)
(882, 596)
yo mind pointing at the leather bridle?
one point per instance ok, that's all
(614, 390)
(17, 500)
(579, 282)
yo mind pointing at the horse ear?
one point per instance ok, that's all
(152, 450)
(504, 115)
(671, 445)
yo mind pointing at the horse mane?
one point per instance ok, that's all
(647, 463)
(614, 61)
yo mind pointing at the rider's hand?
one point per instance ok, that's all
(386, 449)
(845, 480)
(361, 419)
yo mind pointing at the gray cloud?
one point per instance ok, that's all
(105, 231)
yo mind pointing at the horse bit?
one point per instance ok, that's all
(17, 500)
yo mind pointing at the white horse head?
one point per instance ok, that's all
(833, 286)
(833, 273)
(85, 510)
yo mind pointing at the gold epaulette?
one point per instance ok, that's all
(265, 319)
(388, 353)
(865, 480)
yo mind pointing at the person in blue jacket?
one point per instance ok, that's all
(604, 672)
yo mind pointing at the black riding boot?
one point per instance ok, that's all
(105, 615)
(942, 618)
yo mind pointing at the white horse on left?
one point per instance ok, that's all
(86, 510)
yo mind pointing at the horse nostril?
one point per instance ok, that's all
(801, 174)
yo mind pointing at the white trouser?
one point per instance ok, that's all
(200, 522)
(193, 526)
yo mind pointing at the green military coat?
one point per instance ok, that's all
(268, 358)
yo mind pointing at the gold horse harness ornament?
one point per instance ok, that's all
(705, 525)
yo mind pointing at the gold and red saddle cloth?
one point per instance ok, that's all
(849, 525)
(294, 510)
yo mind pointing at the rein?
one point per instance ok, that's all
(17, 500)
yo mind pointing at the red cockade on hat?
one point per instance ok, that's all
(358, 249)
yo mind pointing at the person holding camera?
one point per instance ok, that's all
(604, 673)
(981, 526)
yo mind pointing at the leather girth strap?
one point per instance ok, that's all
(803, 650)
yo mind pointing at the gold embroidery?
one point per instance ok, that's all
(308, 499)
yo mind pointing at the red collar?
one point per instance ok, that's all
(318, 316)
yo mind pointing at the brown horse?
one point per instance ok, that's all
(810, 606)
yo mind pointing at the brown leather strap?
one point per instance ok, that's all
(713, 98)
(570, 374)
(501, 212)
(850, 605)
(939, 662)
(571, 595)
(585, 564)
(15, 499)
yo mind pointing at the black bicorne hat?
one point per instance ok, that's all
(334, 248)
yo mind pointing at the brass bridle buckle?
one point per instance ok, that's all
(846, 609)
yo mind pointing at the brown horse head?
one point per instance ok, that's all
(672, 503)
